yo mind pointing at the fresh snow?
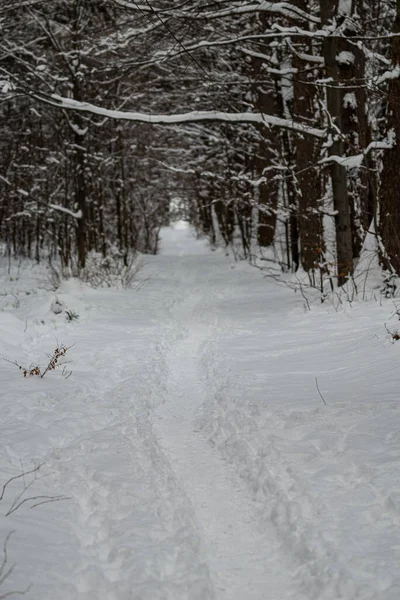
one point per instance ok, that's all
(356, 161)
(345, 58)
(283, 8)
(190, 455)
(180, 119)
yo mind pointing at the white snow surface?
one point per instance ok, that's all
(193, 455)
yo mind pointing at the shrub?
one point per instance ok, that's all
(54, 361)
(112, 270)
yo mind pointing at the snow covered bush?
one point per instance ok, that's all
(56, 306)
(112, 270)
(53, 277)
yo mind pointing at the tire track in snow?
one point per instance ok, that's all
(243, 561)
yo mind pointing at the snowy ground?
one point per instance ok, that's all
(189, 455)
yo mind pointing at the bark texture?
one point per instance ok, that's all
(389, 193)
(344, 245)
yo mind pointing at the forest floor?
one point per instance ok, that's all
(191, 454)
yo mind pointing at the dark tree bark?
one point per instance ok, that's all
(362, 181)
(265, 101)
(389, 193)
(344, 245)
(307, 152)
(225, 214)
(307, 155)
(287, 153)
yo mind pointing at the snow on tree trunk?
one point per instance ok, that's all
(328, 9)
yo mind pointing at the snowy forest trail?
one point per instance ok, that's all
(189, 456)
(241, 559)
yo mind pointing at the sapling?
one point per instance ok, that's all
(54, 361)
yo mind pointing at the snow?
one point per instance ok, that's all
(183, 118)
(190, 451)
(345, 58)
(356, 160)
(75, 215)
(283, 8)
(350, 162)
(5, 86)
(345, 7)
(394, 73)
(350, 100)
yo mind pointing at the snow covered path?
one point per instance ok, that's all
(189, 454)
(241, 559)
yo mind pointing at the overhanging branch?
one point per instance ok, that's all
(181, 118)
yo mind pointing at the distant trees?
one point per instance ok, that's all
(282, 124)
(72, 183)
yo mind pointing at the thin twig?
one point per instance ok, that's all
(18, 477)
(5, 560)
(16, 593)
(44, 500)
(395, 337)
(7, 574)
(17, 498)
(55, 499)
(304, 296)
(13, 362)
(318, 390)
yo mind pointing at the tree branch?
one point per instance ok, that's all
(182, 119)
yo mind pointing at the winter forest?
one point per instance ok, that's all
(199, 299)
(272, 122)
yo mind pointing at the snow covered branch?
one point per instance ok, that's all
(182, 118)
(74, 214)
(356, 160)
(25, 194)
(284, 9)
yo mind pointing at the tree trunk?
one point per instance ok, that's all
(307, 153)
(80, 201)
(265, 101)
(355, 126)
(290, 189)
(344, 247)
(389, 192)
